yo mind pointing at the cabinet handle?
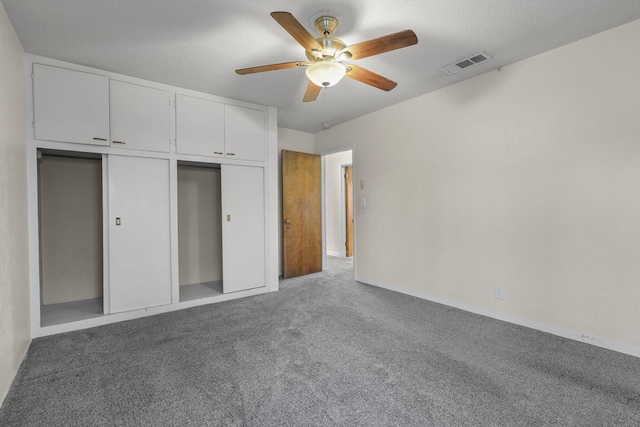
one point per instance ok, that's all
(99, 139)
(231, 154)
(218, 152)
(118, 142)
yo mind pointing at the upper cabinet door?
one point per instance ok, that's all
(70, 106)
(245, 133)
(199, 127)
(140, 117)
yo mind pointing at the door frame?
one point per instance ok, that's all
(323, 155)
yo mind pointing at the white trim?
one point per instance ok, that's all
(528, 323)
(272, 217)
(323, 206)
(42, 331)
(338, 254)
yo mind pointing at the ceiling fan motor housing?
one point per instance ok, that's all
(331, 46)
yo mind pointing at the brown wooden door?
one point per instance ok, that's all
(348, 203)
(301, 213)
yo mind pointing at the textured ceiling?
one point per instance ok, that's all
(197, 44)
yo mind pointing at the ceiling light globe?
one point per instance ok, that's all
(326, 73)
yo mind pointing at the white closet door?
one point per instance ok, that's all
(140, 117)
(199, 126)
(70, 106)
(243, 230)
(245, 133)
(139, 247)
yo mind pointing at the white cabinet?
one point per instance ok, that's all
(165, 239)
(209, 128)
(140, 117)
(199, 126)
(244, 133)
(243, 228)
(139, 233)
(70, 106)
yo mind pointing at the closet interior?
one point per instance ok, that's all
(71, 236)
(199, 230)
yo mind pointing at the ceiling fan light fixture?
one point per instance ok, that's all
(326, 73)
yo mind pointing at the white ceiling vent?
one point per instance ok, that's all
(466, 63)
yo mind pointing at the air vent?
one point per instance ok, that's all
(466, 63)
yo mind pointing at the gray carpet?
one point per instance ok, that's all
(323, 351)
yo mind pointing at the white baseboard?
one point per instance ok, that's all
(331, 253)
(554, 330)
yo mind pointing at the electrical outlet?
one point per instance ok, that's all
(499, 292)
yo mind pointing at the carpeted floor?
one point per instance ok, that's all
(323, 351)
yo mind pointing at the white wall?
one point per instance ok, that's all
(528, 178)
(292, 140)
(199, 225)
(334, 217)
(14, 280)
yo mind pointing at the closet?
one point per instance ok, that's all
(144, 198)
(199, 230)
(220, 211)
(71, 243)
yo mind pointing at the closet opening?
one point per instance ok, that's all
(199, 230)
(71, 236)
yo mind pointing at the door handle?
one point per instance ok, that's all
(286, 221)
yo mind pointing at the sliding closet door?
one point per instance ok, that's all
(243, 230)
(139, 233)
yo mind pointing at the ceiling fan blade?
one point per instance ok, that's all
(272, 67)
(382, 44)
(312, 92)
(369, 77)
(297, 31)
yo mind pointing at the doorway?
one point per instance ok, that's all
(338, 204)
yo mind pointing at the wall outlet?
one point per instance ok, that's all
(499, 292)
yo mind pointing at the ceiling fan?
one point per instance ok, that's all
(326, 54)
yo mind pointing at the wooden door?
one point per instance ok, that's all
(301, 213)
(139, 233)
(348, 203)
(243, 228)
